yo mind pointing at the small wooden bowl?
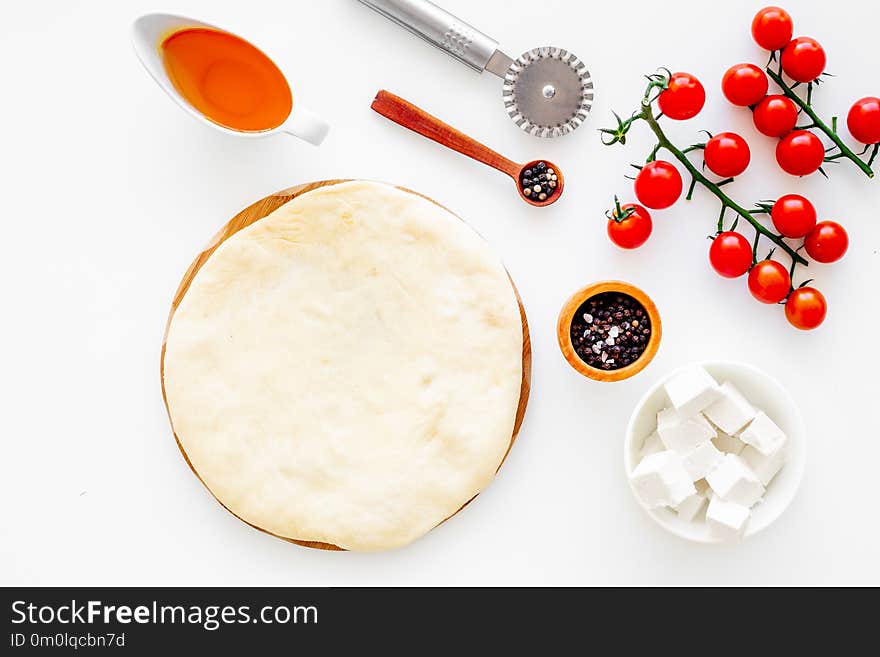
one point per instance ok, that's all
(566, 315)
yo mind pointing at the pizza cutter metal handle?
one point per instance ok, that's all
(440, 28)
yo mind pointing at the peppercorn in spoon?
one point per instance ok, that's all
(539, 182)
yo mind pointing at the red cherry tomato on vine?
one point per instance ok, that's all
(772, 28)
(800, 153)
(775, 116)
(793, 215)
(803, 60)
(806, 308)
(769, 282)
(658, 185)
(727, 154)
(827, 242)
(744, 84)
(863, 120)
(684, 98)
(634, 230)
(730, 254)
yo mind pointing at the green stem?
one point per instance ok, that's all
(874, 153)
(726, 201)
(831, 134)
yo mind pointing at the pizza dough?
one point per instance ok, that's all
(348, 368)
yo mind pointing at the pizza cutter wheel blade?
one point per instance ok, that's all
(547, 91)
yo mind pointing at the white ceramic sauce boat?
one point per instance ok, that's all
(147, 34)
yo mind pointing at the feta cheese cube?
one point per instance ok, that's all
(700, 461)
(683, 433)
(763, 435)
(728, 444)
(765, 467)
(725, 518)
(661, 480)
(652, 445)
(691, 507)
(731, 411)
(692, 390)
(733, 481)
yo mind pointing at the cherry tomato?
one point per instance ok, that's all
(800, 153)
(634, 230)
(775, 116)
(772, 28)
(727, 154)
(803, 59)
(744, 84)
(769, 282)
(684, 98)
(658, 185)
(730, 254)
(806, 308)
(863, 120)
(827, 242)
(793, 215)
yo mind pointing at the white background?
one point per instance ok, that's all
(109, 191)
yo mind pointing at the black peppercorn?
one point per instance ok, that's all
(601, 339)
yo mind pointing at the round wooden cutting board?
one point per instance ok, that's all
(257, 211)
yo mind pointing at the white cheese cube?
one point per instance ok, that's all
(683, 433)
(765, 467)
(691, 507)
(728, 444)
(726, 519)
(661, 480)
(692, 390)
(700, 461)
(652, 445)
(733, 480)
(763, 435)
(731, 411)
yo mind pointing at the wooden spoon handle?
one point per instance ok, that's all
(418, 120)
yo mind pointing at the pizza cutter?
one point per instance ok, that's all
(547, 91)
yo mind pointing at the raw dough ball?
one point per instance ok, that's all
(348, 368)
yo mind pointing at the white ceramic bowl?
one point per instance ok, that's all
(767, 394)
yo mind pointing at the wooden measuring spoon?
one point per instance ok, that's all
(418, 120)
